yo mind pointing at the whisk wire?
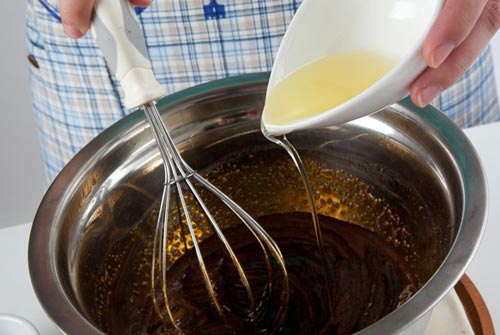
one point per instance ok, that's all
(159, 252)
(160, 133)
(178, 172)
(175, 166)
(161, 232)
(226, 244)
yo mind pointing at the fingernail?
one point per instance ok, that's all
(72, 31)
(440, 54)
(427, 94)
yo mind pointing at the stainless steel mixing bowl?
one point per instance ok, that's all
(416, 159)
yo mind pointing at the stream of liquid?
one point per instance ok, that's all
(297, 160)
(309, 91)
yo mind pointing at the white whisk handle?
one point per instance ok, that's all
(118, 33)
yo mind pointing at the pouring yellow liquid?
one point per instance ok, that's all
(309, 91)
(323, 85)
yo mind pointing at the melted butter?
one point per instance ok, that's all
(323, 85)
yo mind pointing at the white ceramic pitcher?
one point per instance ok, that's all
(395, 28)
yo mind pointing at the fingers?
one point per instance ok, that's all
(453, 25)
(141, 3)
(76, 15)
(445, 70)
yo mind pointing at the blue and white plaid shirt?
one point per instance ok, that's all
(189, 42)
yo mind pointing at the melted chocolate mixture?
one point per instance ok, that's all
(366, 276)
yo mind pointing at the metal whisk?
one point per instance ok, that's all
(177, 172)
(121, 40)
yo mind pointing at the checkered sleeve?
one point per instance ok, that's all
(473, 100)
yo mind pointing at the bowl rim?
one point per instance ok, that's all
(43, 236)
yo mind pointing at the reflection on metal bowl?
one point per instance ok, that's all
(407, 174)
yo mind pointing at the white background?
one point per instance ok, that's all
(21, 175)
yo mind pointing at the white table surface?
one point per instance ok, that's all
(17, 296)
